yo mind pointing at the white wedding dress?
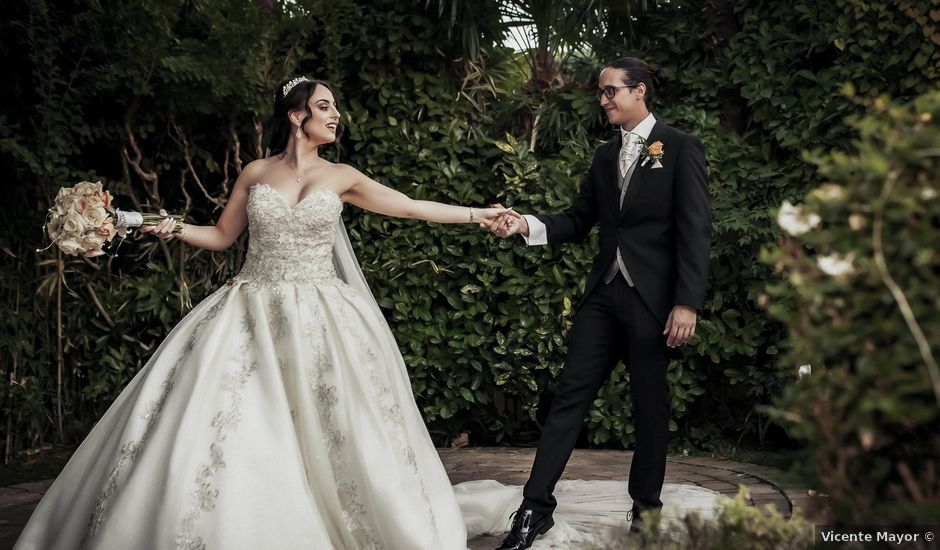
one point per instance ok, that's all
(278, 414)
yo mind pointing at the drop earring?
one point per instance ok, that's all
(297, 134)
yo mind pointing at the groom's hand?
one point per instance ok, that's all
(680, 326)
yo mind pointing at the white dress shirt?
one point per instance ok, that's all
(537, 232)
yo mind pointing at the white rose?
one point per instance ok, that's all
(794, 221)
(87, 188)
(74, 223)
(94, 217)
(63, 192)
(94, 201)
(92, 241)
(69, 246)
(53, 226)
(836, 265)
(67, 203)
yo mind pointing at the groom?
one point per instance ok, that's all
(648, 189)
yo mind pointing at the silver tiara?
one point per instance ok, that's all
(291, 83)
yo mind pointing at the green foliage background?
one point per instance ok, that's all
(163, 103)
(870, 411)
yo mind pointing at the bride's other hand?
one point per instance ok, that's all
(164, 229)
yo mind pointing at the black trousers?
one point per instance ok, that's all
(613, 324)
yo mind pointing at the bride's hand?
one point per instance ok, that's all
(508, 225)
(164, 229)
(490, 217)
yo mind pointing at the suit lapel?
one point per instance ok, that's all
(641, 173)
(611, 174)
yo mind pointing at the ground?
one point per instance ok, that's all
(511, 466)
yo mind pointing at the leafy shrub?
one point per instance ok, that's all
(737, 525)
(860, 299)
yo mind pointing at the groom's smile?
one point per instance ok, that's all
(621, 98)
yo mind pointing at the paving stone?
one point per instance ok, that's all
(511, 466)
(762, 490)
(19, 499)
(34, 486)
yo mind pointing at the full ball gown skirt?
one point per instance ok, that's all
(278, 414)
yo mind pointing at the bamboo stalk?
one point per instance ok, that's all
(11, 378)
(59, 352)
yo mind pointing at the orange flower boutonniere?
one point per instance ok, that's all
(653, 152)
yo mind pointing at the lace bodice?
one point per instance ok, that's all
(292, 244)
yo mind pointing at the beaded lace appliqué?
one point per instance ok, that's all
(290, 244)
(203, 498)
(131, 449)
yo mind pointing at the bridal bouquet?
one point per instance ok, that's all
(82, 220)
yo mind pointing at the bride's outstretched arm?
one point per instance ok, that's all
(371, 195)
(231, 223)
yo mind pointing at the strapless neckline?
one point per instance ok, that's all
(301, 201)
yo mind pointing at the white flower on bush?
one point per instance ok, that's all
(928, 193)
(857, 222)
(829, 192)
(794, 221)
(804, 370)
(836, 265)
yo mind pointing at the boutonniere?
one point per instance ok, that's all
(653, 152)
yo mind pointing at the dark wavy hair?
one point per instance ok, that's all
(638, 71)
(278, 127)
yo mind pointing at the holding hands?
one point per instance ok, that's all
(508, 223)
(496, 217)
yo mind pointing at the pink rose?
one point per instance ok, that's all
(107, 230)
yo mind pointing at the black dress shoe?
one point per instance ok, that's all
(636, 521)
(635, 515)
(526, 526)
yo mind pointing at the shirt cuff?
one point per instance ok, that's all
(537, 233)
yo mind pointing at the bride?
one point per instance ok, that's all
(278, 413)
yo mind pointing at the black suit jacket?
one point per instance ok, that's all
(663, 229)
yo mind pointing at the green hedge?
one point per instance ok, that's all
(162, 103)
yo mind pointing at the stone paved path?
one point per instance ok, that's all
(767, 486)
(511, 466)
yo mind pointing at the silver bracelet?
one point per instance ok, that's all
(471, 214)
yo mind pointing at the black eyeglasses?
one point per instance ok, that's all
(610, 91)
